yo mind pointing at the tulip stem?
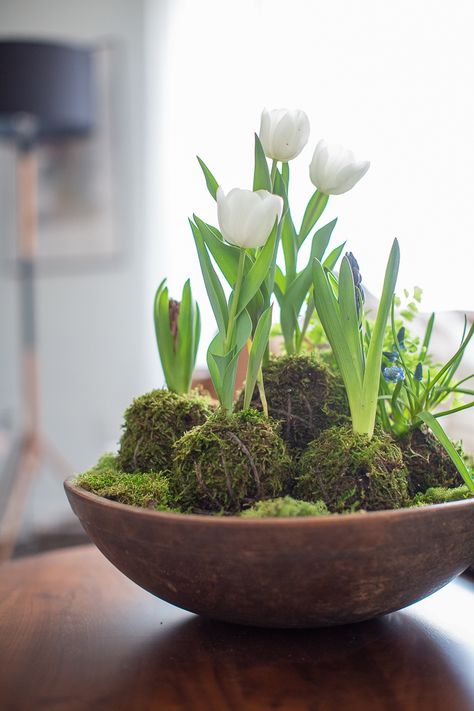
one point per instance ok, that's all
(273, 173)
(235, 301)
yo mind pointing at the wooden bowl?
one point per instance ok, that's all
(287, 572)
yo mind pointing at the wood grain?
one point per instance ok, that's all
(291, 572)
(75, 634)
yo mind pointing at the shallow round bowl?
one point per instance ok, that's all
(293, 572)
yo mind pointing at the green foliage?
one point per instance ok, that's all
(455, 456)
(358, 359)
(304, 395)
(251, 274)
(148, 491)
(426, 387)
(229, 462)
(440, 495)
(349, 471)
(296, 291)
(178, 329)
(152, 424)
(285, 507)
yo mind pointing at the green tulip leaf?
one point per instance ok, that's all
(313, 212)
(211, 182)
(257, 351)
(260, 269)
(225, 255)
(261, 176)
(333, 257)
(185, 338)
(374, 354)
(214, 288)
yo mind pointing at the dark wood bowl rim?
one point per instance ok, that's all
(288, 521)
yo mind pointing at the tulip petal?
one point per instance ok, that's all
(348, 177)
(334, 169)
(283, 133)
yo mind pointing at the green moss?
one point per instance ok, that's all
(349, 471)
(285, 506)
(440, 495)
(153, 423)
(229, 462)
(304, 395)
(427, 462)
(148, 491)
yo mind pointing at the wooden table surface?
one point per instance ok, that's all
(75, 635)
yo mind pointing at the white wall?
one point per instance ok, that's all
(392, 81)
(96, 341)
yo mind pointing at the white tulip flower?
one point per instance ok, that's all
(247, 218)
(283, 133)
(334, 169)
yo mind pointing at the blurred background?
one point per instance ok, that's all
(172, 78)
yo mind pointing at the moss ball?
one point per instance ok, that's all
(152, 424)
(148, 491)
(440, 495)
(349, 471)
(304, 395)
(427, 462)
(229, 462)
(285, 506)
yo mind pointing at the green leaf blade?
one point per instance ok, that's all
(257, 351)
(443, 438)
(261, 175)
(211, 182)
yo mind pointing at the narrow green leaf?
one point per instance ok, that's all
(374, 354)
(225, 255)
(443, 438)
(427, 338)
(279, 285)
(332, 258)
(184, 362)
(243, 331)
(259, 270)
(214, 288)
(297, 291)
(211, 182)
(257, 351)
(197, 333)
(313, 212)
(456, 358)
(165, 342)
(349, 316)
(328, 312)
(261, 176)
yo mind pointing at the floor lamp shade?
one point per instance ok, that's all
(49, 83)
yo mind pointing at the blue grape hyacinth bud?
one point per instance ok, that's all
(357, 276)
(391, 355)
(418, 372)
(401, 339)
(393, 374)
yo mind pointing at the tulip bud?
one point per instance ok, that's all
(334, 169)
(246, 218)
(283, 133)
(173, 310)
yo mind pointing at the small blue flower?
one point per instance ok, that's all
(391, 355)
(393, 374)
(418, 372)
